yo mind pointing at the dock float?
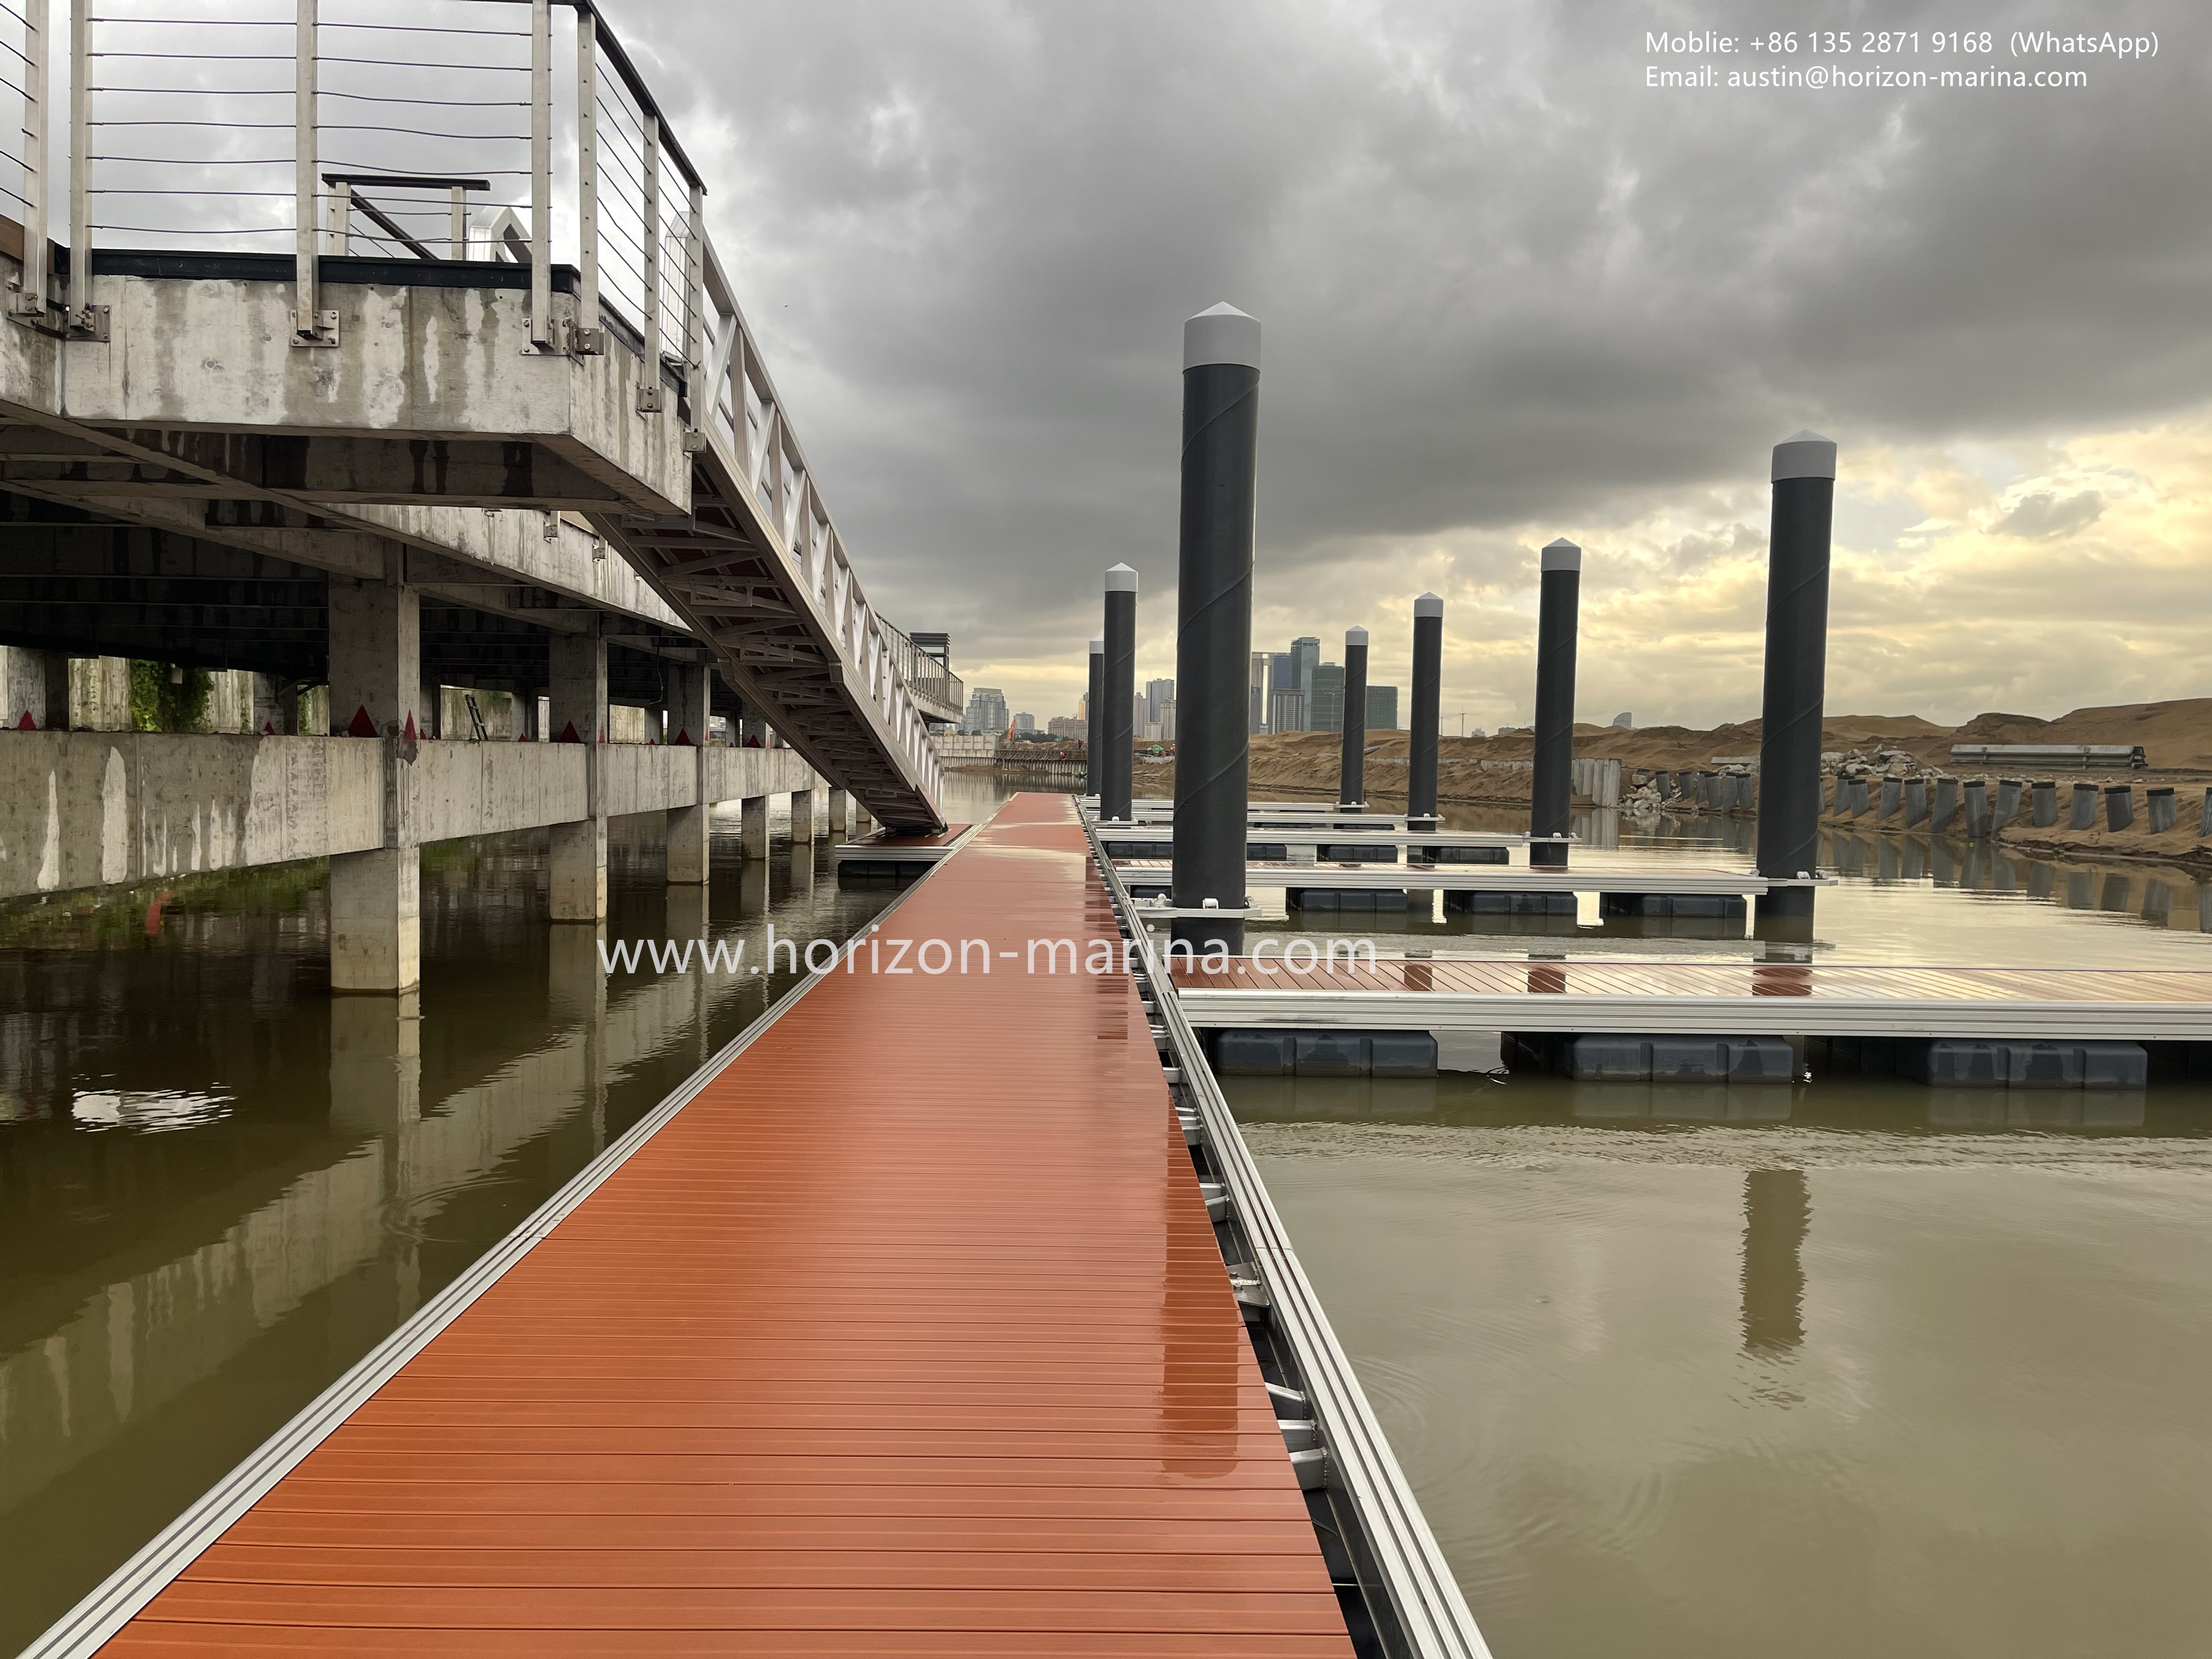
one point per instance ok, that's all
(941, 1313)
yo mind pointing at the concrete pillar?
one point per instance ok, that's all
(2008, 804)
(33, 689)
(1978, 808)
(376, 920)
(430, 712)
(1120, 684)
(685, 714)
(1893, 792)
(862, 823)
(1916, 801)
(1947, 804)
(1560, 576)
(578, 714)
(376, 659)
(2204, 828)
(2043, 803)
(752, 827)
(1351, 753)
(2119, 806)
(2159, 809)
(1213, 628)
(2082, 811)
(841, 814)
(1788, 843)
(376, 1063)
(1093, 726)
(802, 819)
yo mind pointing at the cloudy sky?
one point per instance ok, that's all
(1510, 292)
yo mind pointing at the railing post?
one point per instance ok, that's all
(541, 175)
(80, 319)
(651, 182)
(312, 326)
(695, 300)
(587, 168)
(29, 301)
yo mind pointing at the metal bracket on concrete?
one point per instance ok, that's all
(89, 322)
(651, 400)
(586, 342)
(695, 442)
(317, 328)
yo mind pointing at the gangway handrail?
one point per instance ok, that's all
(1421, 1597)
(632, 204)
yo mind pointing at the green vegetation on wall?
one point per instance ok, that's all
(158, 705)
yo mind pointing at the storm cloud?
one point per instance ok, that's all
(1508, 290)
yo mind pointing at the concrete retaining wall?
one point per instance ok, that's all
(90, 809)
(86, 808)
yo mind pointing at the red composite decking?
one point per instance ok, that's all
(1597, 977)
(908, 1334)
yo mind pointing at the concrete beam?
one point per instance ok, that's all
(92, 808)
(193, 358)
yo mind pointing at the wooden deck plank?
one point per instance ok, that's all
(899, 1337)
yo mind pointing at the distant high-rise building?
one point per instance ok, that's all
(1325, 704)
(1062, 725)
(1282, 676)
(1140, 716)
(1305, 656)
(1286, 710)
(1624, 721)
(985, 712)
(1382, 708)
(1024, 723)
(1082, 708)
(1167, 719)
(1258, 685)
(1155, 693)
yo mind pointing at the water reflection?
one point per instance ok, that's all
(222, 1186)
(1649, 1408)
(1778, 1212)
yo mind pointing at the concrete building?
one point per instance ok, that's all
(1166, 724)
(1282, 676)
(1325, 702)
(1024, 724)
(1381, 709)
(1061, 726)
(1157, 693)
(1286, 710)
(1305, 657)
(986, 712)
(1258, 687)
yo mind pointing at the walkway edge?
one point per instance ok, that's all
(1434, 1619)
(89, 1624)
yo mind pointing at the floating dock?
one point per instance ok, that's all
(1838, 999)
(937, 1315)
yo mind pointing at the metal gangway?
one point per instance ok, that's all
(290, 270)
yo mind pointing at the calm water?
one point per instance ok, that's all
(1840, 1365)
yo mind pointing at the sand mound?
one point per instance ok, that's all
(2177, 736)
